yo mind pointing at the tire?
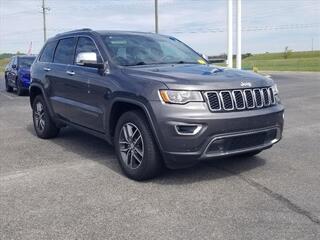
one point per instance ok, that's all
(8, 88)
(250, 154)
(44, 126)
(20, 90)
(133, 146)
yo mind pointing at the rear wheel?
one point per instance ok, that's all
(43, 124)
(8, 88)
(135, 147)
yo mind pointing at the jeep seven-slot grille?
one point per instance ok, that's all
(240, 99)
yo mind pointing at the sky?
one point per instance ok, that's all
(268, 25)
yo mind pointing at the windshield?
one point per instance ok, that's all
(26, 62)
(132, 50)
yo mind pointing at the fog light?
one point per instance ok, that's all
(188, 129)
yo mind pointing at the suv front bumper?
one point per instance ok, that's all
(219, 135)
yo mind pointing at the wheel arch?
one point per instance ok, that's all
(122, 105)
(35, 90)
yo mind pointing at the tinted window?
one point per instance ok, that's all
(47, 53)
(26, 62)
(85, 44)
(64, 51)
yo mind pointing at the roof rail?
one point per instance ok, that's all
(76, 30)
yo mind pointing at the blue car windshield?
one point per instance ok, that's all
(26, 62)
(132, 50)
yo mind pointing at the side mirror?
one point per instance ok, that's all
(88, 59)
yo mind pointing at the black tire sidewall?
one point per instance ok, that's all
(151, 162)
(50, 130)
(19, 88)
(8, 88)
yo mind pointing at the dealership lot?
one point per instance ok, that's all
(71, 187)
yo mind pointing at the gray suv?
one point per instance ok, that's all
(154, 98)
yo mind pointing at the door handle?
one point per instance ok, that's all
(71, 73)
(47, 69)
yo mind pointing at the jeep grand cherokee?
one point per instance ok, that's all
(154, 98)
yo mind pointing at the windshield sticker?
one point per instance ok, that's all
(201, 61)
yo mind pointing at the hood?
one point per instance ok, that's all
(199, 77)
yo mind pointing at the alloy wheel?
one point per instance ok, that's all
(131, 145)
(39, 116)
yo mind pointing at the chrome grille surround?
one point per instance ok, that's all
(225, 95)
(249, 102)
(240, 99)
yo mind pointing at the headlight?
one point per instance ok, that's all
(276, 93)
(180, 97)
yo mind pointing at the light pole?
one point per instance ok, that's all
(230, 43)
(44, 9)
(156, 15)
(239, 34)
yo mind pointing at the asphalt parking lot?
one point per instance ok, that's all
(72, 188)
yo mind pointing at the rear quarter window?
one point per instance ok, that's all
(47, 53)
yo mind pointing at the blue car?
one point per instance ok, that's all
(17, 74)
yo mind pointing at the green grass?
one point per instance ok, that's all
(3, 63)
(296, 61)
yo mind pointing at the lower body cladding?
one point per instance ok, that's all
(191, 133)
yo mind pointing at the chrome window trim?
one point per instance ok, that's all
(222, 100)
(246, 100)
(208, 101)
(235, 100)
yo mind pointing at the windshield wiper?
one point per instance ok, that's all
(137, 64)
(183, 62)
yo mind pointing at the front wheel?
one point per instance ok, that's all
(135, 147)
(8, 88)
(42, 122)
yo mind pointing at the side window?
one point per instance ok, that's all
(85, 44)
(64, 51)
(47, 54)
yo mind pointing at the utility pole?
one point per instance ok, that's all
(312, 44)
(239, 56)
(44, 10)
(230, 43)
(156, 15)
